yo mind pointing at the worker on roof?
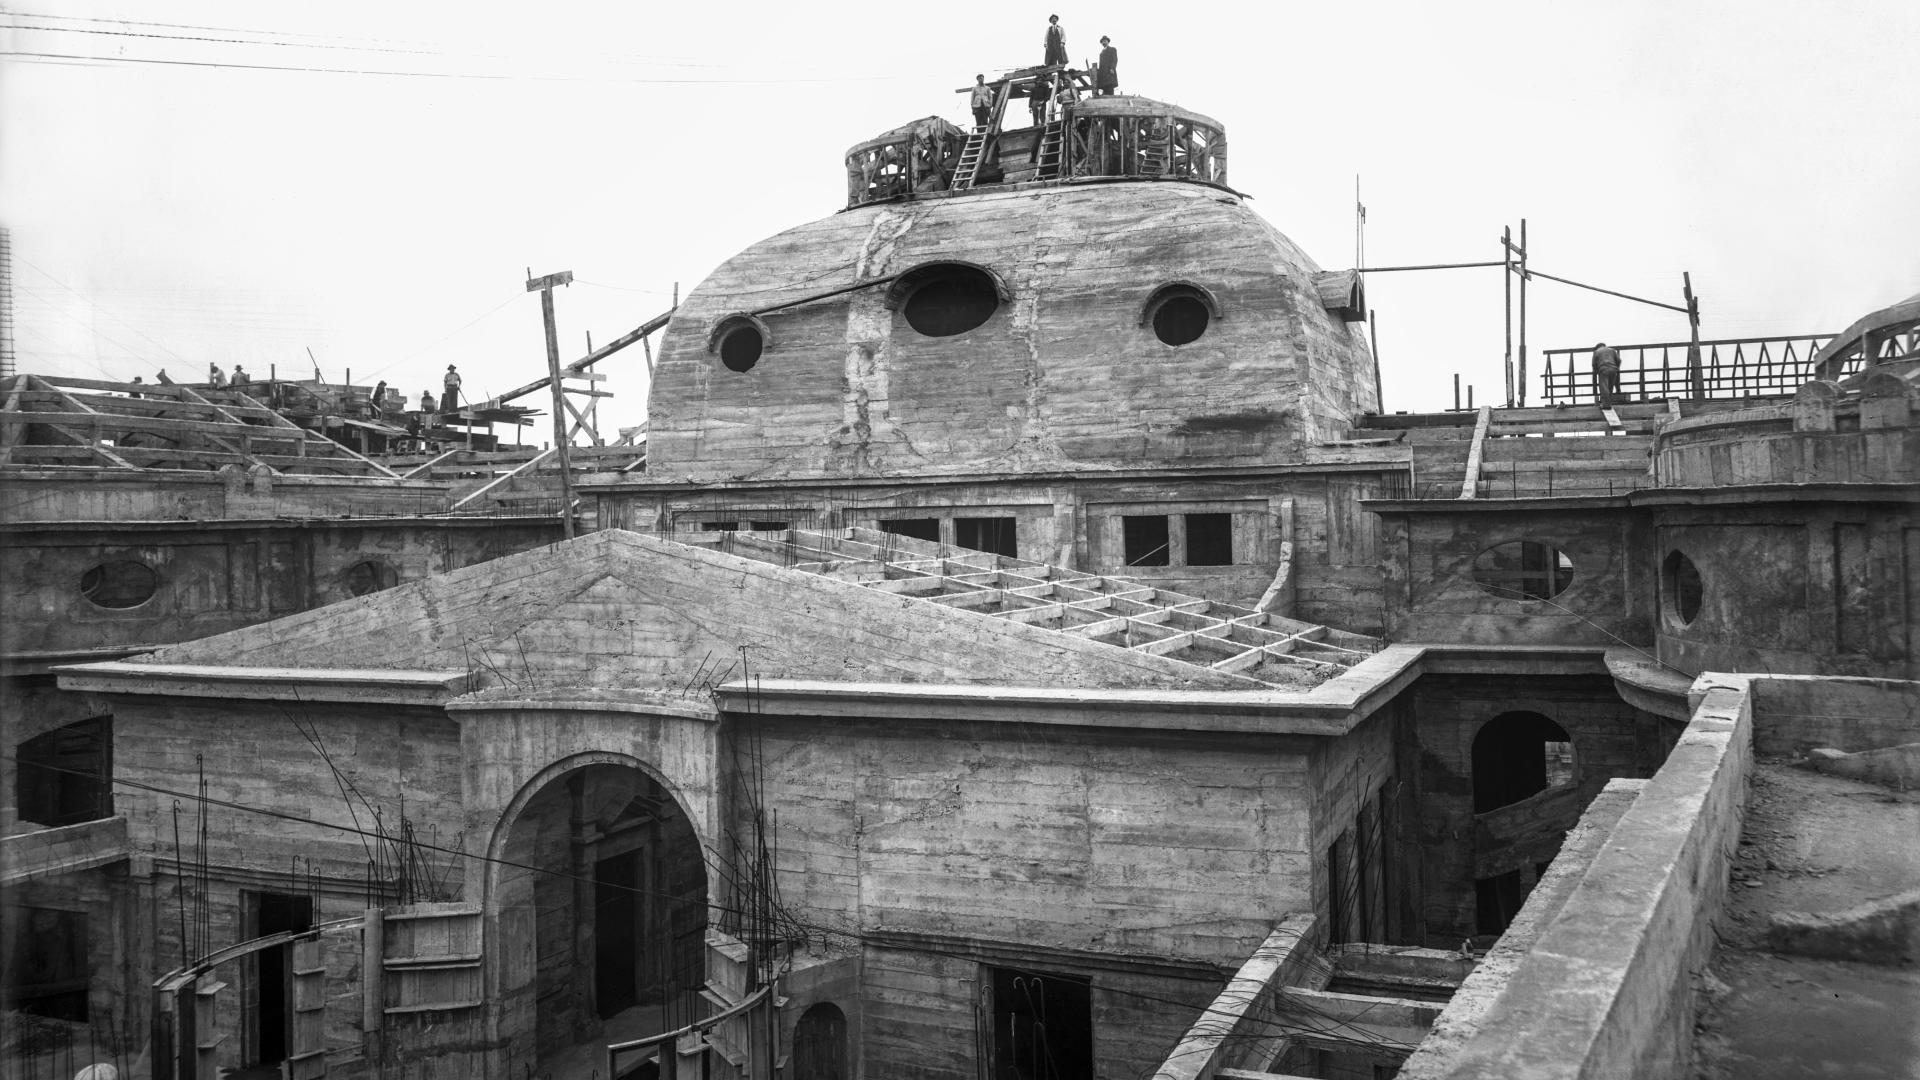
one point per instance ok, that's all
(239, 375)
(1106, 77)
(215, 377)
(1606, 373)
(426, 401)
(1056, 41)
(982, 102)
(1037, 95)
(450, 390)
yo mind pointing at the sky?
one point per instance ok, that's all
(370, 183)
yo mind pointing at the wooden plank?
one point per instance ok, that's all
(1470, 479)
(482, 492)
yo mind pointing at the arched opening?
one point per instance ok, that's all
(945, 299)
(605, 882)
(1680, 589)
(1517, 755)
(820, 1044)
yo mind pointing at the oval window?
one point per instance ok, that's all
(950, 299)
(1680, 588)
(118, 585)
(741, 346)
(370, 576)
(1523, 570)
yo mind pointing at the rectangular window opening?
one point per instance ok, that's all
(1042, 1025)
(66, 775)
(47, 963)
(1209, 539)
(927, 529)
(992, 534)
(1145, 539)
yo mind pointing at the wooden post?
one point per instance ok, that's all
(1373, 332)
(1456, 391)
(1696, 378)
(1520, 386)
(544, 286)
(1506, 281)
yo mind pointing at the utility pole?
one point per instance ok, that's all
(544, 286)
(1520, 382)
(1506, 281)
(1696, 378)
(1516, 380)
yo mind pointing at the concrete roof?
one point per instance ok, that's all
(617, 609)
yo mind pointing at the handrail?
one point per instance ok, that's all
(1768, 366)
(697, 1027)
(173, 980)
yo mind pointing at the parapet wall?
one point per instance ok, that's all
(1607, 989)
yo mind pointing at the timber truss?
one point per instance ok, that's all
(56, 420)
(1263, 648)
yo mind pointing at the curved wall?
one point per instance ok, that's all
(1067, 373)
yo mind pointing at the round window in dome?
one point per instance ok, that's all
(118, 585)
(948, 298)
(1179, 313)
(739, 341)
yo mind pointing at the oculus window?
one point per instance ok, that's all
(118, 585)
(1680, 588)
(1180, 313)
(945, 299)
(1523, 570)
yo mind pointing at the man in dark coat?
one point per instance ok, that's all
(1106, 77)
(1606, 373)
(1056, 41)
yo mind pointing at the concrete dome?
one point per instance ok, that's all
(1076, 288)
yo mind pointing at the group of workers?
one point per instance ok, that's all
(382, 401)
(1051, 92)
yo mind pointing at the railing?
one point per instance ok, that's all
(1729, 368)
(694, 1041)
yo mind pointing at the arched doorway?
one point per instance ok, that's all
(1516, 756)
(820, 1044)
(605, 887)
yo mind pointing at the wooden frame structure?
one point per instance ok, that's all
(1266, 650)
(55, 420)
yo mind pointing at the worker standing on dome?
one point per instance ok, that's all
(450, 386)
(1056, 42)
(1106, 77)
(982, 102)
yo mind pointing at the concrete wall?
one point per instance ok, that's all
(1430, 592)
(213, 578)
(1607, 989)
(1611, 739)
(1077, 851)
(122, 495)
(1062, 373)
(1076, 521)
(1823, 585)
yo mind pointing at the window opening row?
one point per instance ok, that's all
(1160, 539)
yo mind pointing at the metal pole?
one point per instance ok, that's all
(1456, 391)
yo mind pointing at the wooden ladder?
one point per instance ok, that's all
(967, 172)
(1050, 149)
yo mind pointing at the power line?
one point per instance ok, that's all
(41, 57)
